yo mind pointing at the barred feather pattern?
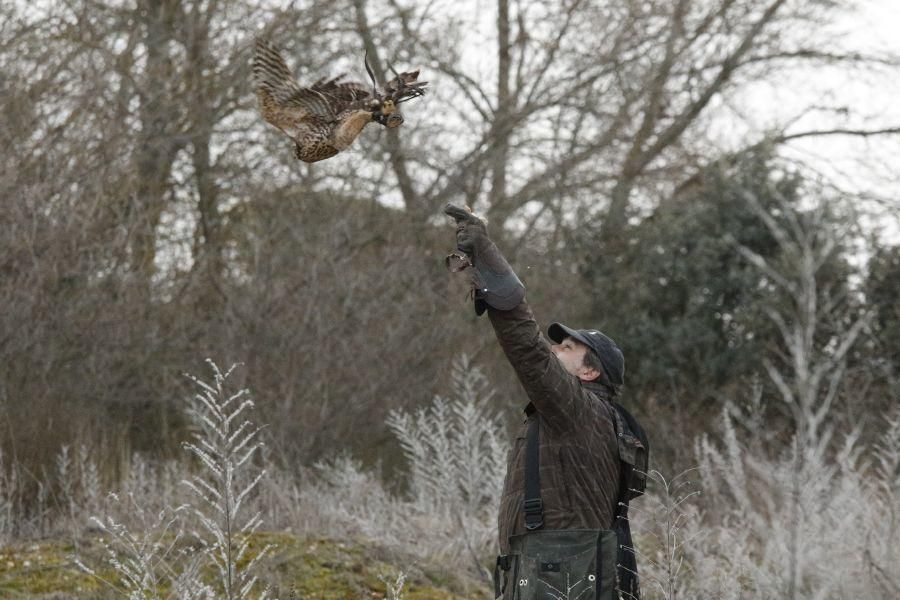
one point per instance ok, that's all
(322, 119)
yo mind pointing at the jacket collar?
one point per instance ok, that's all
(600, 390)
(595, 387)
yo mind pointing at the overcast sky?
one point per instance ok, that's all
(861, 165)
(857, 164)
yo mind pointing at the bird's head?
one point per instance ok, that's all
(403, 87)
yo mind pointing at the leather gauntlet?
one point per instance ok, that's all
(494, 282)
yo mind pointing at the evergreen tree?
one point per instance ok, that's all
(686, 307)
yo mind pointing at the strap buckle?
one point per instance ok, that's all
(504, 562)
(534, 514)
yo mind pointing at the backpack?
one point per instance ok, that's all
(634, 457)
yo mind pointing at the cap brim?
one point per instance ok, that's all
(558, 332)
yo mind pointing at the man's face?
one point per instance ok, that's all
(570, 353)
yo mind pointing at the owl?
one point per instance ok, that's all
(324, 118)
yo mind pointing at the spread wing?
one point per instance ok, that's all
(295, 110)
(344, 93)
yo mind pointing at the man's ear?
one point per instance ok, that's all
(588, 374)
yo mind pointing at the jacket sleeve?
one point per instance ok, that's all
(555, 393)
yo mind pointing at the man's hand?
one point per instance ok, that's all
(493, 280)
(470, 230)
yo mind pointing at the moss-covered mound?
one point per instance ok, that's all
(301, 568)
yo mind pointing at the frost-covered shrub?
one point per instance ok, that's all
(665, 523)
(345, 500)
(829, 519)
(456, 452)
(832, 522)
(456, 456)
(63, 495)
(149, 555)
(212, 527)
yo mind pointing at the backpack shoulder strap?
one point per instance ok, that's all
(534, 506)
(633, 426)
(631, 484)
(634, 452)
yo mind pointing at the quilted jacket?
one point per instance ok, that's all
(579, 460)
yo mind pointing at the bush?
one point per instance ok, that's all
(154, 553)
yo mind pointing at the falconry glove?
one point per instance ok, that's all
(494, 282)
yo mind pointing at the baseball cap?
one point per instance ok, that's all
(600, 344)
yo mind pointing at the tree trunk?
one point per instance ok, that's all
(500, 154)
(416, 210)
(155, 148)
(209, 263)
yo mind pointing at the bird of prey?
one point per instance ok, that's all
(324, 118)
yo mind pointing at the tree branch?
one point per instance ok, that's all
(780, 139)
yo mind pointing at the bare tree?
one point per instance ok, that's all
(817, 328)
(155, 220)
(595, 105)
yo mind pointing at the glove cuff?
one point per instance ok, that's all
(494, 281)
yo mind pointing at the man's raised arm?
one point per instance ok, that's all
(556, 394)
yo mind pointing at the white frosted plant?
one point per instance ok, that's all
(454, 448)
(881, 556)
(809, 512)
(808, 503)
(157, 484)
(846, 544)
(10, 500)
(77, 486)
(456, 454)
(348, 500)
(149, 555)
(395, 587)
(226, 444)
(735, 540)
(666, 520)
(89, 477)
(152, 546)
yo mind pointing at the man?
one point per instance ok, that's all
(569, 384)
